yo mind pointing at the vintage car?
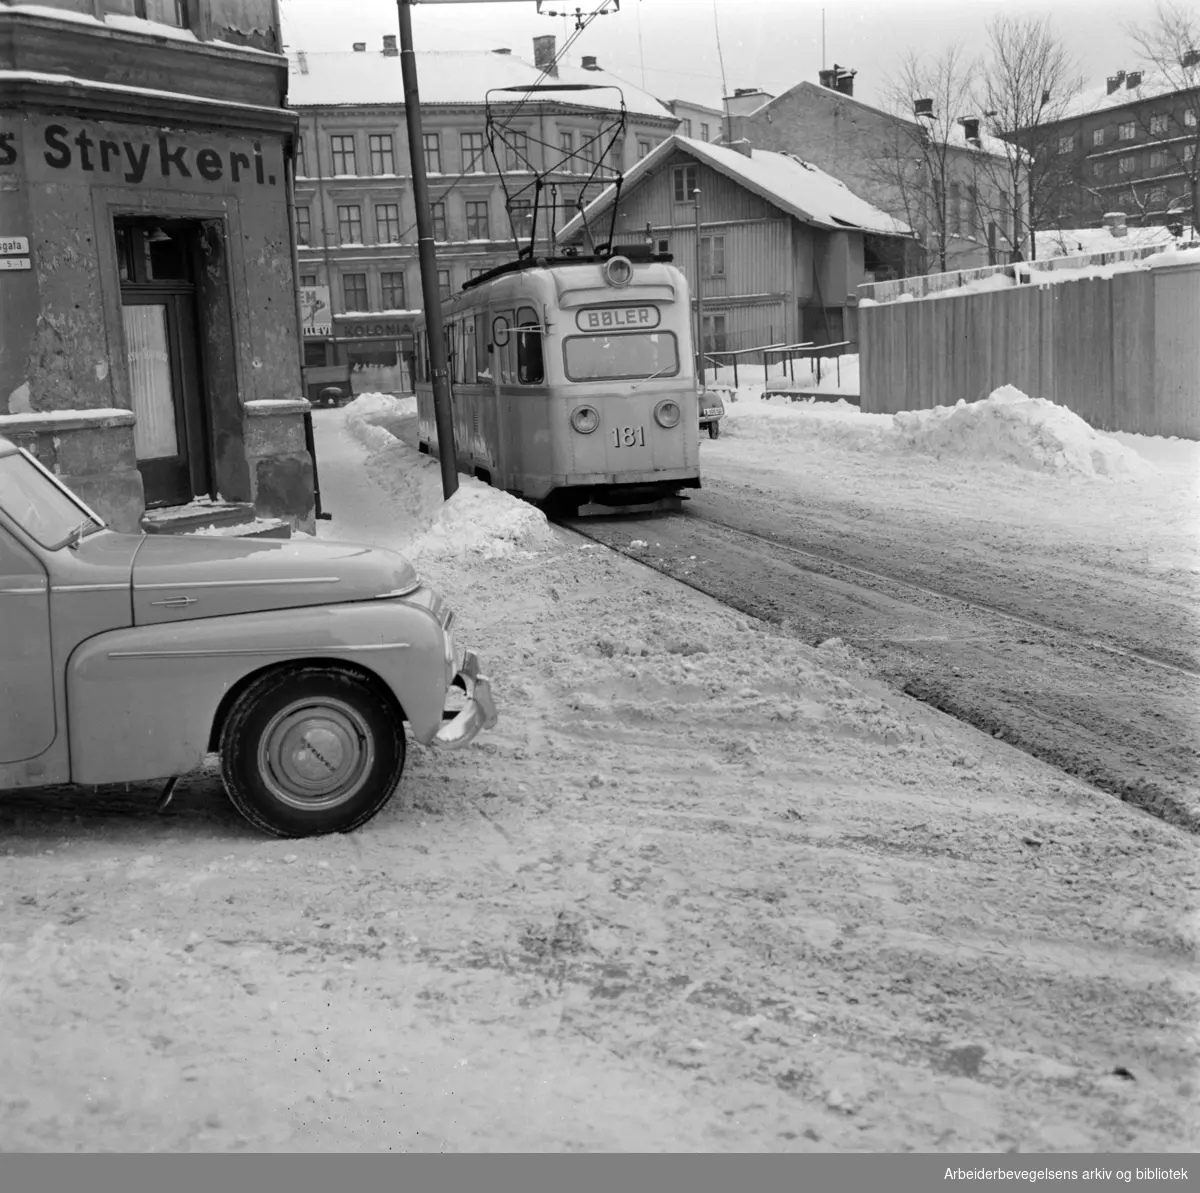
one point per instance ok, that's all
(128, 658)
(712, 410)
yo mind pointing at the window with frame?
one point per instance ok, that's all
(432, 145)
(472, 153)
(387, 223)
(683, 183)
(516, 151)
(341, 154)
(531, 369)
(161, 12)
(354, 291)
(955, 211)
(1097, 137)
(383, 160)
(521, 215)
(712, 256)
(1126, 165)
(477, 220)
(1126, 131)
(643, 148)
(566, 146)
(1066, 144)
(588, 151)
(686, 127)
(714, 333)
(483, 356)
(476, 271)
(438, 212)
(391, 284)
(704, 132)
(1158, 196)
(307, 280)
(1158, 159)
(443, 284)
(1189, 152)
(1100, 168)
(1159, 124)
(315, 354)
(303, 225)
(301, 163)
(349, 217)
(1189, 118)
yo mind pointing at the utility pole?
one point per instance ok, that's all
(699, 295)
(434, 331)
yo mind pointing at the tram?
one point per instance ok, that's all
(573, 383)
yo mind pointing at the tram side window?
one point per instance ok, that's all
(468, 332)
(505, 348)
(530, 368)
(453, 358)
(482, 342)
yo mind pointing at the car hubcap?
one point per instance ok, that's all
(316, 755)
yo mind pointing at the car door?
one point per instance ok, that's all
(27, 722)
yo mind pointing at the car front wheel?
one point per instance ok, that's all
(311, 750)
(714, 430)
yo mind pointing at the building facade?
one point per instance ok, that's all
(967, 214)
(355, 216)
(783, 246)
(695, 120)
(1130, 146)
(149, 334)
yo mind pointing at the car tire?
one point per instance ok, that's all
(714, 430)
(311, 750)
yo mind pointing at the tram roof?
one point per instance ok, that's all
(784, 180)
(351, 78)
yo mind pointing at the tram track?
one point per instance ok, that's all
(1118, 716)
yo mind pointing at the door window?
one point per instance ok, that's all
(155, 435)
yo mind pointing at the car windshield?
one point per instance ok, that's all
(38, 506)
(604, 358)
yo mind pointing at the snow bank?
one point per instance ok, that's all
(1010, 426)
(477, 520)
(1007, 427)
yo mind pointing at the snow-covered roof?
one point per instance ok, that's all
(784, 180)
(371, 78)
(1070, 242)
(1097, 99)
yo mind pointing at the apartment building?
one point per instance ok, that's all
(355, 217)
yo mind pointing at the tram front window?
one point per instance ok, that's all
(609, 358)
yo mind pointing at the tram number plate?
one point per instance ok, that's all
(629, 436)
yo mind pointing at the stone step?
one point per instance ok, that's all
(181, 519)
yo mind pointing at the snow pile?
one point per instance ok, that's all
(477, 520)
(1008, 425)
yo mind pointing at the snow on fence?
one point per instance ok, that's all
(1116, 342)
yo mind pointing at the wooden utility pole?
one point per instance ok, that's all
(699, 294)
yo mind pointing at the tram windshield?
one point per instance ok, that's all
(633, 355)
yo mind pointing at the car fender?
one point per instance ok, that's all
(141, 701)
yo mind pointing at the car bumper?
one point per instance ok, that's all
(478, 713)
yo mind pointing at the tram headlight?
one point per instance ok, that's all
(667, 413)
(585, 419)
(618, 271)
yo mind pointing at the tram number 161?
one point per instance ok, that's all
(629, 436)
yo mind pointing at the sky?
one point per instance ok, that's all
(671, 46)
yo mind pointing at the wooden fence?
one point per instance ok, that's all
(1122, 352)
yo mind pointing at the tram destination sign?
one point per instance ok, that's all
(617, 318)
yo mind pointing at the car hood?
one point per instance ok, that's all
(183, 577)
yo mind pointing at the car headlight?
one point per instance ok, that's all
(585, 419)
(667, 413)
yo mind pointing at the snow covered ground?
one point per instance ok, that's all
(704, 887)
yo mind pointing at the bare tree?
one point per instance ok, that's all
(1169, 45)
(1026, 86)
(918, 160)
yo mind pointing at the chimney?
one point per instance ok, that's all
(1190, 58)
(389, 46)
(1115, 81)
(589, 62)
(1133, 79)
(743, 147)
(923, 107)
(971, 129)
(543, 54)
(828, 78)
(360, 47)
(1114, 221)
(302, 61)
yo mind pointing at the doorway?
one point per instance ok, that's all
(158, 261)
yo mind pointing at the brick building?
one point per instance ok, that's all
(825, 124)
(1128, 146)
(356, 221)
(783, 245)
(149, 335)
